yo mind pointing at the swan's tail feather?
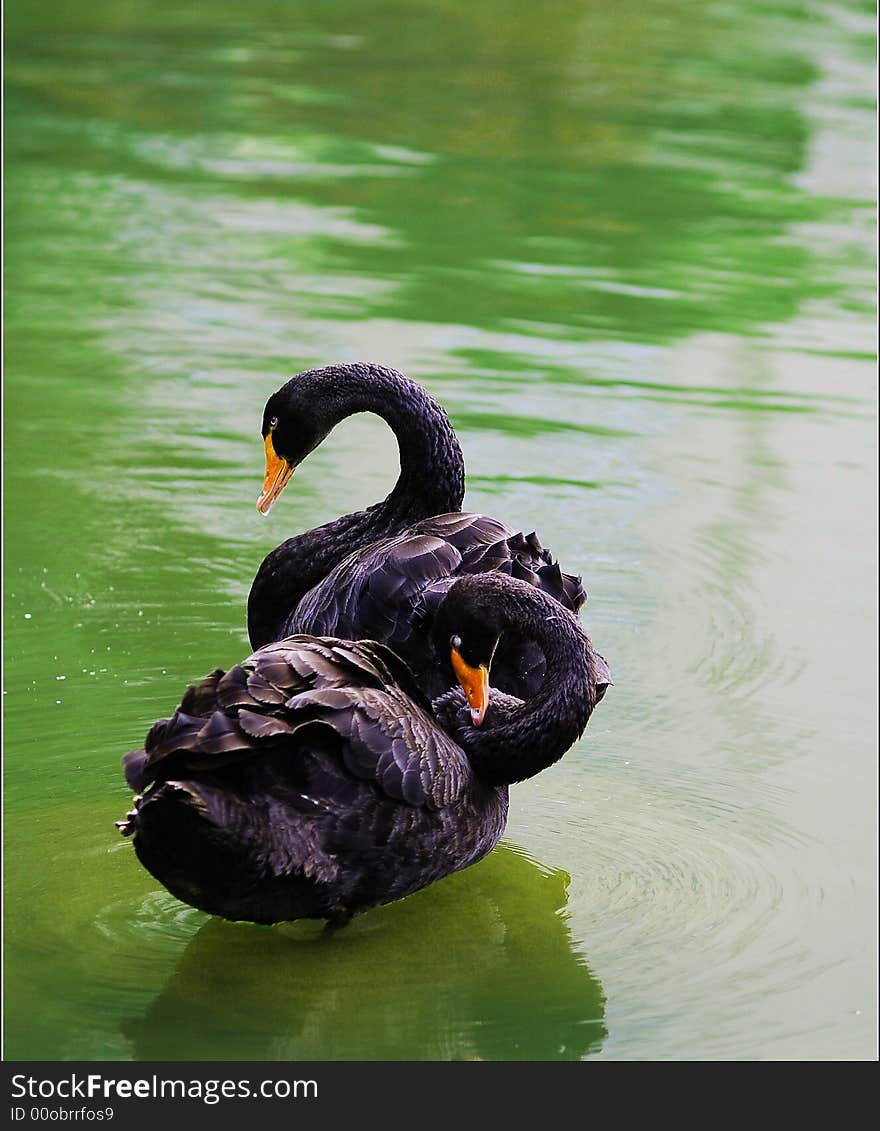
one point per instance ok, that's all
(134, 768)
(200, 699)
(602, 673)
(532, 562)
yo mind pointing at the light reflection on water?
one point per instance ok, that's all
(630, 251)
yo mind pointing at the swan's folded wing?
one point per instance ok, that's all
(204, 731)
(362, 691)
(373, 593)
(391, 741)
(485, 545)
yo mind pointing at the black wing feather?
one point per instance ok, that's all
(388, 737)
(390, 591)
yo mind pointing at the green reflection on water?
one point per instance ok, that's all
(485, 966)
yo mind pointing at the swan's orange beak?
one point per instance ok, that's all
(475, 685)
(278, 472)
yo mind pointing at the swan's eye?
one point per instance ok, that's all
(455, 642)
(273, 422)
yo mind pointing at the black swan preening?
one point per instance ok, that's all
(315, 780)
(381, 573)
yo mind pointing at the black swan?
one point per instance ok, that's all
(315, 780)
(382, 572)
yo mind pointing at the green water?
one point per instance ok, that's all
(629, 246)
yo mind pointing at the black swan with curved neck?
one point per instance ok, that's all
(315, 780)
(382, 572)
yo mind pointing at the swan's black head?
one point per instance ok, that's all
(302, 413)
(295, 421)
(466, 630)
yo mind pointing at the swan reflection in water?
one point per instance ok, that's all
(481, 966)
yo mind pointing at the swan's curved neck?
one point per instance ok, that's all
(528, 738)
(431, 481)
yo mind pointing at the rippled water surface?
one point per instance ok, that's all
(629, 247)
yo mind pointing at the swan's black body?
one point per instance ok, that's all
(380, 573)
(315, 780)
